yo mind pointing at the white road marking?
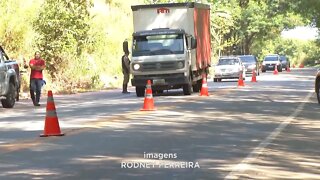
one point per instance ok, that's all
(245, 163)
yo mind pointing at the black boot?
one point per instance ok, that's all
(124, 89)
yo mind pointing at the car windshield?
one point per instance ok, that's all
(271, 58)
(283, 58)
(162, 44)
(247, 59)
(227, 61)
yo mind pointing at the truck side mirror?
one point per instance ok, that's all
(193, 43)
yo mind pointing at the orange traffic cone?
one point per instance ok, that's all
(275, 72)
(148, 100)
(293, 66)
(288, 69)
(301, 65)
(254, 76)
(204, 87)
(240, 81)
(51, 126)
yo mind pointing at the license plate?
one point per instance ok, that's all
(159, 81)
(270, 66)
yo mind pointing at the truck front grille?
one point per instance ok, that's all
(156, 66)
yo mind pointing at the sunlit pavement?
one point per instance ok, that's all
(265, 130)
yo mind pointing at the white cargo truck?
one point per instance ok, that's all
(171, 46)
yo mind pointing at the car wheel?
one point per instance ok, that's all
(10, 97)
(318, 91)
(263, 71)
(215, 80)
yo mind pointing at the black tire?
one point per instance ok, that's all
(318, 91)
(10, 97)
(280, 69)
(140, 91)
(187, 88)
(197, 87)
(215, 79)
(263, 71)
(17, 94)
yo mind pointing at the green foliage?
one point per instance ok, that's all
(62, 27)
(16, 31)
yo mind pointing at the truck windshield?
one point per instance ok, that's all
(158, 45)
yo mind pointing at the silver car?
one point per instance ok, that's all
(229, 68)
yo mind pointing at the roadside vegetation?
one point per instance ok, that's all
(81, 40)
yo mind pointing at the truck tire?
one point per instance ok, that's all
(197, 86)
(10, 97)
(140, 91)
(187, 88)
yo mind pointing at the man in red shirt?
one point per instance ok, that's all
(36, 77)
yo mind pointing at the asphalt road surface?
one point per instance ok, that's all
(265, 130)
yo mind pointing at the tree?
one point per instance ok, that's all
(62, 27)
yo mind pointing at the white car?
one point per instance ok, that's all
(229, 68)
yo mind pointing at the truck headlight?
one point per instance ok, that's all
(180, 65)
(136, 67)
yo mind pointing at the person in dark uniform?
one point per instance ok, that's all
(125, 61)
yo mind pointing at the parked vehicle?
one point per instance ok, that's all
(172, 52)
(229, 68)
(270, 62)
(285, 62)
(9, 80)
(251, 63)
(317, 85)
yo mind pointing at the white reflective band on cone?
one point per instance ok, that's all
(149, 96)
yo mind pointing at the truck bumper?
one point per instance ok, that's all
(165, 80)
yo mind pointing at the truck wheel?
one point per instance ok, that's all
(140, 91)
(187, 89)
(197, 86)
(10, 97)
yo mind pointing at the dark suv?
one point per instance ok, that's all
(251, 63)
(285, 62)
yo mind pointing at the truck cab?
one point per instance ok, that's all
(162, 51)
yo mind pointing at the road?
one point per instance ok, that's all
(265, 130)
